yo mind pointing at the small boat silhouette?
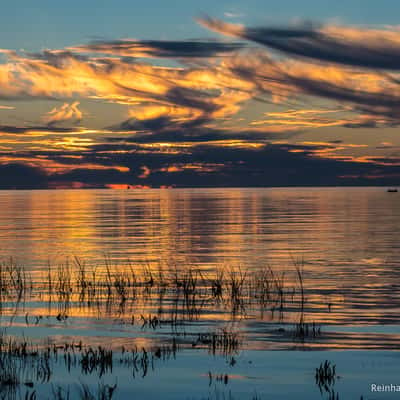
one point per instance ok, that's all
(392, 190)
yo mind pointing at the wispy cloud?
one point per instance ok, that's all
(42, 129)
(367, 48)
(161, 48)
(233, 14)
(206, 120)
(62, 75)
(331, 62)
(66, 113)
(366, 93)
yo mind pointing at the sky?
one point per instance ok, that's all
(174, 94)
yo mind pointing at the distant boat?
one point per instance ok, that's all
(392, 190)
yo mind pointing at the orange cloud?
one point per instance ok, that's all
(65, 113)
(206, 91)
(145, 172)
(157, 111)
(196, 100)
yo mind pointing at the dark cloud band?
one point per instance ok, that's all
(162, 48)
(315, 43)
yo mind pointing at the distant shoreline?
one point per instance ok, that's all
(204, 187)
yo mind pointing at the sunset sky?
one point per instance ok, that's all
(152, 94)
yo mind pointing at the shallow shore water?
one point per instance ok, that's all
(199, 293)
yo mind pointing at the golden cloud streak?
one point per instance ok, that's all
(52, 166)
(202, 94)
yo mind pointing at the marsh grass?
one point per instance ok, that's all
(217, 283)
(224, 341)
(222, 395)
(75, 281)
(19, 371)
(304, 330)
(60, 393)
(14, 281)
(25, 365)
(103, 392)
(184, 292)
(221, 378)
(325, 378)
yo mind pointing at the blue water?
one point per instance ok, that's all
(347, 240)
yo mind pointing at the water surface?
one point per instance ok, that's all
(344, 239)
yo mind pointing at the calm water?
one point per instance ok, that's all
(346, 240)
(338, 229)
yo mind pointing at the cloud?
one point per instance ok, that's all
(230, 14)
(204, 123)
(161, 48)
(269, 165)
(22, 176)
(174, 113)
(18, 130)
(209, 161)
(303, 118)
(65, 113)
(317, 118)
(367, 94)
(337, 63)
(164, 131)
(205, 89)
(378, 49)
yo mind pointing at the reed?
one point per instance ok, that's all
(299, 266)
(98, 359)
(217, 284)
(60, 393)
(222, 395)
(236, 284)
(112, 290)
(25, 365)
(222, 378)
(325, 378)
(103, 392)
(304, 330)
(225, 341)
(14, 281)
